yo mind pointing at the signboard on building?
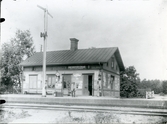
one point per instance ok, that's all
(77, 67)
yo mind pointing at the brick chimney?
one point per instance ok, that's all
(74, 43)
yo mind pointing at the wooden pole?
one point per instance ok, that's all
(0, 23)
(44, 58)
(44, 35)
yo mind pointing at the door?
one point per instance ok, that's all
(88, 85)
(85, 85)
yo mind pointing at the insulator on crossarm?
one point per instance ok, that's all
(42, 34)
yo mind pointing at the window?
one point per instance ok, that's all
(33, 68)
(32, 81)
(117, 83)
(112, 82)
(51, 79)
(112, 63)
(66, 81)
(109, 81)
(117, 67)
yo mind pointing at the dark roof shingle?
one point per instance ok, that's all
(80, 56)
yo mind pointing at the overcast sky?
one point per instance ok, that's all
(138, 28)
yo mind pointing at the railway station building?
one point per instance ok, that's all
(95, 71)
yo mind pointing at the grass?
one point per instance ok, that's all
(9, 115)
(106, 118)
(86, 117)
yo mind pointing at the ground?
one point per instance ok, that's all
(157, 96)
(54, 116)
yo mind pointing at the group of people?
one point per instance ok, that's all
(71, 88)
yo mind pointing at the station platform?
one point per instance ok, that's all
(85, 100)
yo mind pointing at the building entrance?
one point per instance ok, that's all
(88, 85)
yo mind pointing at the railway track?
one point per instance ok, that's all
(116, 110)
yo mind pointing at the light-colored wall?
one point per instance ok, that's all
(111, 88)
(114, 92)
(109, 67)
(39, 74)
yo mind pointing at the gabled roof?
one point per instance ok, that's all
(70, 57)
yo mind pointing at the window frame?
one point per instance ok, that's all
(52, 83)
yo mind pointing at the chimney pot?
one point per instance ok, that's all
(74, 43)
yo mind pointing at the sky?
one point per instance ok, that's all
(138, 28)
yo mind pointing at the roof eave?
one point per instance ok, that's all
(50, 64)
(119, 60)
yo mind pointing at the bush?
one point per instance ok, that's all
(2, 89)
(161, 94)
(164, 85)
(141, 93)
(9, 89)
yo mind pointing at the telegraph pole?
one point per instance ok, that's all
(1, 20)
(44, 35)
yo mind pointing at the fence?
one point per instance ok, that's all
(149, 94)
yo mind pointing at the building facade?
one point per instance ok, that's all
(95, 72)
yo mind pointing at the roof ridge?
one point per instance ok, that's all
(79, 49)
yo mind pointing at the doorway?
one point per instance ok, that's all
(88, 85)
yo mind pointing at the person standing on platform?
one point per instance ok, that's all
(46, 86)
(56, 83)
(73, 89)
(69, 87)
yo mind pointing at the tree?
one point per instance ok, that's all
(164, 85)
(129, 82)
(13, 53)
(153, 85)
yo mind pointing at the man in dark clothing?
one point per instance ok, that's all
(73, 89)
